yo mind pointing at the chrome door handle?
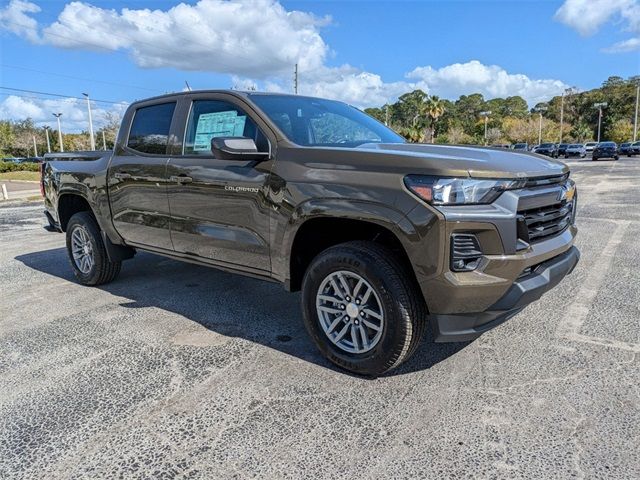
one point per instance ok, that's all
(180, 179)
(122, 176)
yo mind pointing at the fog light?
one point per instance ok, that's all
(465, 252)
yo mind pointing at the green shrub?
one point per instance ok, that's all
(19, 167)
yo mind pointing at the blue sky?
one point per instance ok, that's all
(363, 52)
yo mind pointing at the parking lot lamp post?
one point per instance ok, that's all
(567, 92)
(599, 106)
(540, 110)
(46, 133)
(93, 140)
(635, 122)
(486, 120)
(35, 147)
(58, 115)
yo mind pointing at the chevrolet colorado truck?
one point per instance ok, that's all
(383, 237)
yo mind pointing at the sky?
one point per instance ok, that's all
(366, 53)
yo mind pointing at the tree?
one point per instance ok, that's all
(6, 138)
(494, 135)
(621, 131)
(581, 132)
(434, 108)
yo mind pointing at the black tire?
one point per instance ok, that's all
(402, 304)
(103, 270)
(593, 159)
(616, 157)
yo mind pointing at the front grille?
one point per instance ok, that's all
(543, 181)
(545, 221)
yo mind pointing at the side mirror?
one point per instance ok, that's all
(236, 148)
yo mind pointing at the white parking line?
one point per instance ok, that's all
(576, 314)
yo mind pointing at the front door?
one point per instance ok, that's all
(218, 207)
(137, 178)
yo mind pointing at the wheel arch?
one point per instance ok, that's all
(316, 230)
(70, 203)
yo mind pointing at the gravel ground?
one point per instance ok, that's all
(178, 371)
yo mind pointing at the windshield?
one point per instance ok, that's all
(323, 123)
(520, 145)
(607, 144)
(547, 145)
(575, 145)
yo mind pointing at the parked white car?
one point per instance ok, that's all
(575, 150)
(589, 146)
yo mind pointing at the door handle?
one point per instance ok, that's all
(122, 176)
(180, 179)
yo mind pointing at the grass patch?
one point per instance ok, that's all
(29, 176)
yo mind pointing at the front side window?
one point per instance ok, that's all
(150, 128)
(210, 119)
(323, 123)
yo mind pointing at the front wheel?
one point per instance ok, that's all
(88, 257)
(362, 307)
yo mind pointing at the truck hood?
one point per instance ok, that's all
(455, 160)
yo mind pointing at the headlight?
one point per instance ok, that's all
(459, 191)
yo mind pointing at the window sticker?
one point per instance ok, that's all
(217, 124)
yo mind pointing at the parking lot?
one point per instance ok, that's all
(176, 370)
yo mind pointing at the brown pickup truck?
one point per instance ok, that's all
(383, 237)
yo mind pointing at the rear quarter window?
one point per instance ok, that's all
(150, 128)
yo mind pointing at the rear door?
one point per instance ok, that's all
(137, 177)
(219, 208)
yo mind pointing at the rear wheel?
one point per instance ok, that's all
(88, 257)
(362, 308)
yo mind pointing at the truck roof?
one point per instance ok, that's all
(237, 93)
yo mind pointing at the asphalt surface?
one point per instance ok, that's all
(178, 371)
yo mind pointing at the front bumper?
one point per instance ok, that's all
(527, 289)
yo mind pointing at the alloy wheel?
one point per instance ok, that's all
(82, 250)
(350, 312)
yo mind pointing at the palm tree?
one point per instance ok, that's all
(433, 109)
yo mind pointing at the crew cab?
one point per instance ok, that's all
(384, 238)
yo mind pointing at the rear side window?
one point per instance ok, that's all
(150, 128)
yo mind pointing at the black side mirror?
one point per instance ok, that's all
(236, 148)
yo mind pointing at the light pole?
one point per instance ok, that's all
(567, 92)
(46, 133)
(93, 140)
(486, 120)
(540, 110)
(600, 106)
(635, 122)
(35, 147)
(58, 115)
(104, 141)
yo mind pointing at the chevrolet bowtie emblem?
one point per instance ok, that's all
(567, 193)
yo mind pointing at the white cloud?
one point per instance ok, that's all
(490, 80)
(14, 19)
(75, 117)
(628, 45)
(363, 89)
(257, 42)
(587, 16)
(245, 37)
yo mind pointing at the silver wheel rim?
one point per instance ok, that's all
(350, 312)
(82, 250)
